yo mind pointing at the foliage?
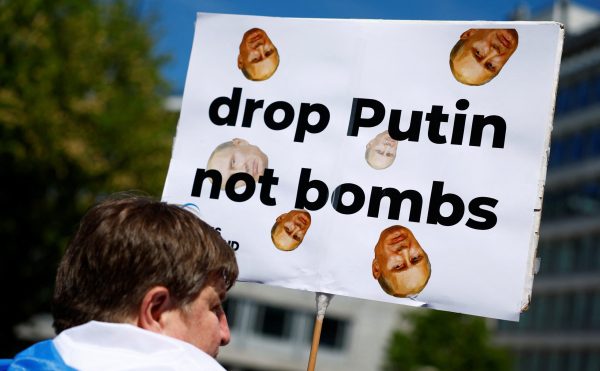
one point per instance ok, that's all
(81, 116)
(444, 341)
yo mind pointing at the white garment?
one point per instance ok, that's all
(111, 346)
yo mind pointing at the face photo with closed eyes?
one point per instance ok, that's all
(480, 54)
(258, 58)
(381, 151)
(238, 156)
(289, 229)
(401, 266)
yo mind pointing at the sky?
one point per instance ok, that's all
(174, 27)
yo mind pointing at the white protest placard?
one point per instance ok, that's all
(386, 160)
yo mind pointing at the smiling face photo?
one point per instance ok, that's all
(289, 229)
(400, 265)
(258, 58)
(480, 54)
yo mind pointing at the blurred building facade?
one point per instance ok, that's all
(561, 329)
(272, 330)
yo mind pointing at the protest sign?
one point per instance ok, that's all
(386, 160)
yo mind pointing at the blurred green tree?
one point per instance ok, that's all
(81, 116)
(444, 341)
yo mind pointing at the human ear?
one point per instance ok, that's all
(376, 270)
(240, 63)
(155, 304)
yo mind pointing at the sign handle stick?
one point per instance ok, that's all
(322, 303)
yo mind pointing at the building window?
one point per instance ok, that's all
(572, 255)
(579, 310)
(589, 253)
(576, 311)
(592, 360)
(333, 334)
(273, 321)
(231, 309)
(566, 254)
(579, 146)
(578, 95)
(572, 360)
(580, 200)
(595, 317)
(543, 313)
(524, 360)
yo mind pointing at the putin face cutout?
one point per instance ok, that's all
(289, 229)
(238, 156)
(401, 266)
(381, 151)
(480, 54)
(258, 58)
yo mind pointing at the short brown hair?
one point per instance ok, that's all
(126, 246)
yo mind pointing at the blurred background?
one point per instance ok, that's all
(90, 93)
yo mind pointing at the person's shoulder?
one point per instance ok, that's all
(41, 356)
(119, 346)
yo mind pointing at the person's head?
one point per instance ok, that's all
(400, 265)
(381, 151)
(258, 58)
(150, 264)
(238, 156)
(289, 229)
(480, 54)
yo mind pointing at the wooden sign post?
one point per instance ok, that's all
(322, 304)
